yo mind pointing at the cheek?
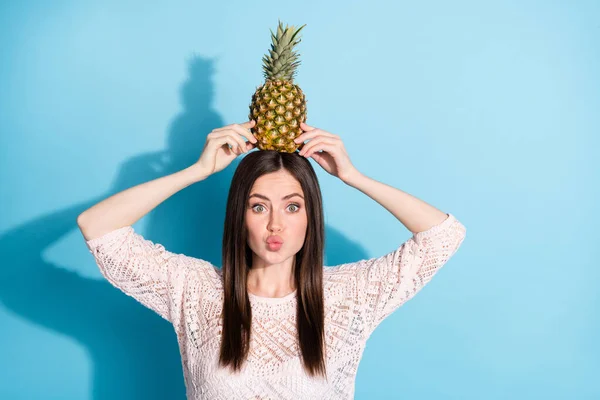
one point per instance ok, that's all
(300, 227)
(250, 228)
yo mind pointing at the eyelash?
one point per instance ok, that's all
(291, 204)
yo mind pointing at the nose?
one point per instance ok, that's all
(275, 224)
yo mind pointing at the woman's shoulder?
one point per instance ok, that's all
(201, 269)
(340, 281)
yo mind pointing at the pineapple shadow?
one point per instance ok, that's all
(134, 352)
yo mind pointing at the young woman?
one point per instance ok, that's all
(272, 322)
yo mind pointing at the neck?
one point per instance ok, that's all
(272, 280)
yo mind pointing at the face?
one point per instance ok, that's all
(273, 209)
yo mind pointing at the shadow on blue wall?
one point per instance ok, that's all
(134, 352)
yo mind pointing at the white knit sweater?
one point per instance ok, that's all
(188, 292)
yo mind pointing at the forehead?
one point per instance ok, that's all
(280, 182)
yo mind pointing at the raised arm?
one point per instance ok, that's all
(385, 283)
(415, 214)
(142, 269)
(128, 206)
(125, 208)
(381, 285)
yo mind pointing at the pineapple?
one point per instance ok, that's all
(279, 105)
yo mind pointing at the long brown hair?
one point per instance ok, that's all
(308, 267)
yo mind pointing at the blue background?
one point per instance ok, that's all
(486, 110)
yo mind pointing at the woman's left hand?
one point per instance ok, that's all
(333, 156)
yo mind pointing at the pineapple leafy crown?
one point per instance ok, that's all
(282, 60)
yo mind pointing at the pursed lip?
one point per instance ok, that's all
(274, 239)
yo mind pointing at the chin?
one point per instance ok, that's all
(280, 255)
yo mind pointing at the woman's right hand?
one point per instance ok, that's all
(217, 153)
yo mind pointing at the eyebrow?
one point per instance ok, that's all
(283, 198)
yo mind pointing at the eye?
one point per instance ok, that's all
(256, 206)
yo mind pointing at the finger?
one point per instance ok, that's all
(244, 132)
(305, 127)
(241, 145)
(326, 147)
(315, 143)
(238, 129)
(245, 125)
(218, 142)
(234, 141)
(310, 145)
(248, 124)
(315, 137)
(315, 132)
(237, 143)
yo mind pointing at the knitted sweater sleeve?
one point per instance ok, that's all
(144, 270)
(383, 284)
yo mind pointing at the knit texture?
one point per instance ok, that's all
(188, 292)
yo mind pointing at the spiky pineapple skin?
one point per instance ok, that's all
(278, 107)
